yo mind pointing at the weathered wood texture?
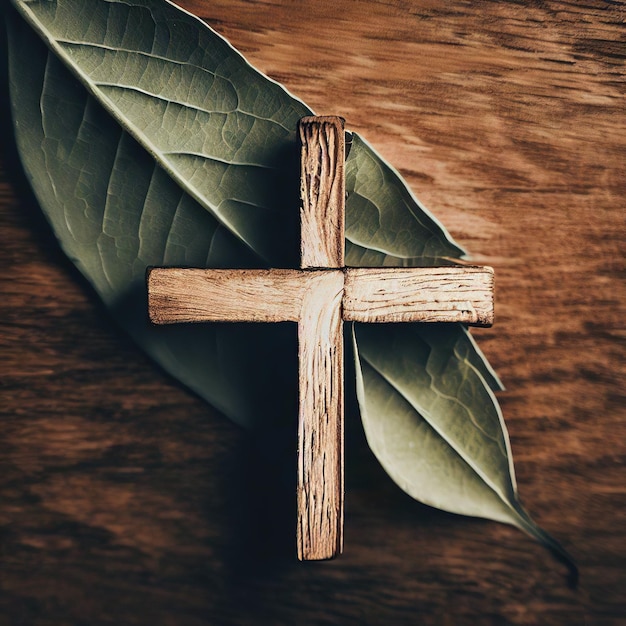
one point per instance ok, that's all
(195, 295)
(319, 300)
(440, 294)
(125, 500)
(443, 294)
(322, 192)
(320, 484)
(320, 455)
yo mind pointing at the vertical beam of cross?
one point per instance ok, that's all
(320, 341)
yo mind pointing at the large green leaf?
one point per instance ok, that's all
(150, 141)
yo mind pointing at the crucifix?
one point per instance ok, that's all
(320, 296)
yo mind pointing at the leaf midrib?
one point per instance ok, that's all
(442, 434)
(125, 124)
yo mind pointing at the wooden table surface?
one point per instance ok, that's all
(126, 500)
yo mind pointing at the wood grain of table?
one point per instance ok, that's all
(126, 500)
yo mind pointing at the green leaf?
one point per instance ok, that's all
(149, 140)
(385, 224)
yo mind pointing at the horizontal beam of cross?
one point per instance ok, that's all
(441, 294)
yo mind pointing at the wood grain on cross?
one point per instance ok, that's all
(320, 297)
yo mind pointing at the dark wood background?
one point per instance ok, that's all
(126, 500)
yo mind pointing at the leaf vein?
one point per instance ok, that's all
(440, 432)
(209, 157)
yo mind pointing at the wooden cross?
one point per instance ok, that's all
(320, 297)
